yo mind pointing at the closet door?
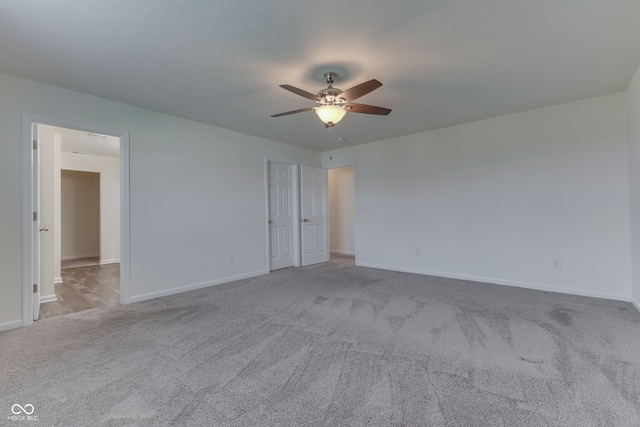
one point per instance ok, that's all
(314, 215)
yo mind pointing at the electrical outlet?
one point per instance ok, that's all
(417, 252)
(232, 258)
(557, 263)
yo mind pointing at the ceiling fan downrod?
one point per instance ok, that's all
(329, 95)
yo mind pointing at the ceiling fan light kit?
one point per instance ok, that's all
(334, 102)
(330, 114)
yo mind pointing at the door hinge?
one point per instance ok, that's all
(35, 145)
(35, 288)
(35, 216)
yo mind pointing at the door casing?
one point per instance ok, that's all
(35, 231)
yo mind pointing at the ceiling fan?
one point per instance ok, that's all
(335, 103)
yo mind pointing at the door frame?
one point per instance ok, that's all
(295, 200)
(355, 203)
(28, 119)
(36, 244)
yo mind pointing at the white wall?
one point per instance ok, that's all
(633, 96)
(109, 204)
(80, 204)
(342, 225)
(197, 192)
(497, 200)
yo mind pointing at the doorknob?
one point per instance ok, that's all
(44, 229)
(305, 220)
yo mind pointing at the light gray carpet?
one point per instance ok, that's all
(332, 345)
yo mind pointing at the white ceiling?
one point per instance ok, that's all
(75, 141)
(442, 62)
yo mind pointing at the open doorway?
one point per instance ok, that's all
(79, 215)
(80, 218)
(342, 225)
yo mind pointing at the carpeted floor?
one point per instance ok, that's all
(331, 345)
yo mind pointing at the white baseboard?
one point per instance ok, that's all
(491, 280)
(109, 261)
(349, 253)
(174, 291)
(635, 304)
(58, 280)
(71, 257)
(10, 325)
(48, 298)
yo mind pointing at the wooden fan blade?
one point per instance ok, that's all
(360, 90)
(293, 112)
(300, 92)
(367, 109)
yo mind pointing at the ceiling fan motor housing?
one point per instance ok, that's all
(330, 96)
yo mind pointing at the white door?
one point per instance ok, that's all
(36, 222)
(281, 215)
(314, 215)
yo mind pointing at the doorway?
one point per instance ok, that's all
(80, 218)
(342, 218)
(83, 220)
(94, 164)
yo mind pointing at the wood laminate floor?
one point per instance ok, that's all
(84, 288)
